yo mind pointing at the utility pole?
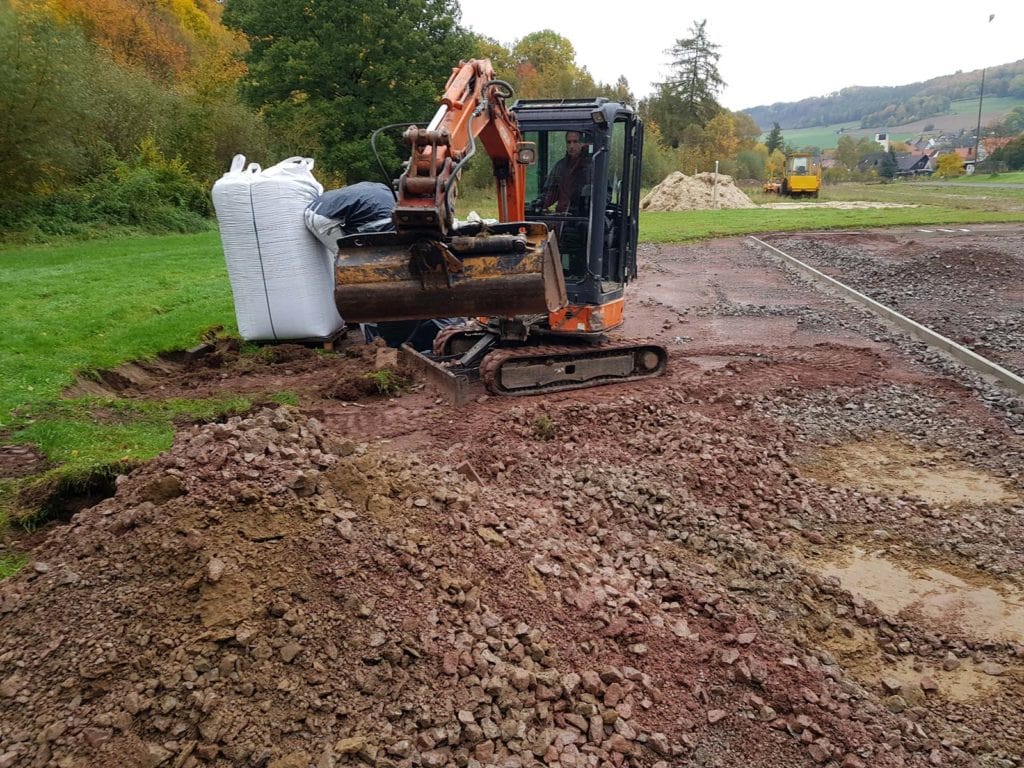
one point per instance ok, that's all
(981, 95)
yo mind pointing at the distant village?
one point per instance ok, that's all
(924, 152)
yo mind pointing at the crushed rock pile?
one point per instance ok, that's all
(703, 191)
(265, 594)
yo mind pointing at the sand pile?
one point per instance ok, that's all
(679, 192)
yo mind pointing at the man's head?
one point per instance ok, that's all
(573, 143)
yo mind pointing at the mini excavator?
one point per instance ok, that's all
(543, 288)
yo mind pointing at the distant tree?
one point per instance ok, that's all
(1013, 123)
(689, 96)
(888, 167)
(659, 159)
(747, 130)
(499, 54)
(720, 137)
(1012, 154)
(546, 68)
(949, 165)
(750, 163)
(847, 153)
(1016, 87)
(776, 164)
(775, 140)
(620, 92)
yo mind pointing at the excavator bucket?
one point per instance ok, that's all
(505, 270)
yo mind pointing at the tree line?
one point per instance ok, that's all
(122, 113)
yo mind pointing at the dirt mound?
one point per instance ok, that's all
(704, 191)
(268, 594)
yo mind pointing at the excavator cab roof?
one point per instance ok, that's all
(567, 113)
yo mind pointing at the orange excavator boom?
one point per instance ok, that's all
(472, 107)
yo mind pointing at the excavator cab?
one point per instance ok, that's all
(596, 227)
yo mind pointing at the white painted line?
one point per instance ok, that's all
(947, 230)
(926, 230)
(964, 230)
(962, 354)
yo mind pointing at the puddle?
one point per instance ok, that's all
(942, 601)
(892, 467)
(858, 652)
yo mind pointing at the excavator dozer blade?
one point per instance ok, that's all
(512, 269)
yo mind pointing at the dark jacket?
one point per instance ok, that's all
(566, 185)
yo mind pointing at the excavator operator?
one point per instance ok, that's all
(570, 178)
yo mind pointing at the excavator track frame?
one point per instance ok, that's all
(561, 368)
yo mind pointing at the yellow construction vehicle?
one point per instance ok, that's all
(802, 176)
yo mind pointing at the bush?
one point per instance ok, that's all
(1012, 154)
(150, 193)
(749, 164)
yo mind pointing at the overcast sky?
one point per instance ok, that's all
(844, 43)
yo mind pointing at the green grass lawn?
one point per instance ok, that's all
(1010, 177)
(673, 227)
(94, 304)
(72, 309)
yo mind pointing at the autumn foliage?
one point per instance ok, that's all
(100, 96)
(168, 39)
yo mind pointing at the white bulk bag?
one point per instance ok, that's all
(282, 277)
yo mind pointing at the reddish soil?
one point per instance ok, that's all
(625, 575)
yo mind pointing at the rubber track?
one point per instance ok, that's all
(491, 365)
(442, 337)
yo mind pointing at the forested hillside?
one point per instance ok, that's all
(120, 111)
(879, 107)
(121, 114)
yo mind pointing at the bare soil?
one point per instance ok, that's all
(671, 573)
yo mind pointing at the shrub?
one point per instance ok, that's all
(149, 193)
(949, 165)
(544, 428)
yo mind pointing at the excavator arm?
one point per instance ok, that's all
(427, 269)
(472, 108)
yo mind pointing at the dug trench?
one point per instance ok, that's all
(663, 573)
